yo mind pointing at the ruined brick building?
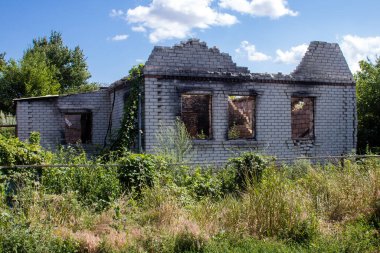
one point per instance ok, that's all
(226, 109)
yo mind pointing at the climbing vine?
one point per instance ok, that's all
(127, 134)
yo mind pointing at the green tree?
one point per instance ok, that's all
(38, 76)
(11, 85)
(48, 67)
(29, 77)
(368, 103)
(2, 61)
(72, 71)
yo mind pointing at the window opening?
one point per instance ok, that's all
(196, 115)
(302, 117)
(241, 110)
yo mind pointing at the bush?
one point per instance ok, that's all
(298, 169)
(8, 132)
(201, 183)
(174, 142)
(227, 177)
(96, 185)
(249, 168)
(15, 152)
(138, 171)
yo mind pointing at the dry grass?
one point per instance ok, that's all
(322, 200)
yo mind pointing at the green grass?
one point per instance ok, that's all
(150, 206)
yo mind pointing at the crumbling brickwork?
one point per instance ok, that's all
(259, 106)
(323, 75)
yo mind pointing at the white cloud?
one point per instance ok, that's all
(357, 48)
(292, 56)
(166, 19)
(138, 29)
(116, 13)
(250, 51)
(261, 8)
(119, 37)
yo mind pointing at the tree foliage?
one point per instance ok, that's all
(48, 67)
(368, 103)
(2, 61)
(71, 67)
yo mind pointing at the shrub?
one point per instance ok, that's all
(199, 182)
(249, 168)
(15, 152)
(203, 182)
(297, 169)
(227, 177)
(96, 185)
(8, 132)
(137, 171)
(174, 142)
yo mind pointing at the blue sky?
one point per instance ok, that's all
(264, 35)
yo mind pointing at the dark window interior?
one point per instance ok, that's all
(196, 115)
(302, 118)
(241, 117)
(78, 127)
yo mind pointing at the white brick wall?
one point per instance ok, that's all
(46, 115)
(335, 118)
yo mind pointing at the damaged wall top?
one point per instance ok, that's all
(188, 57)
(323, 63)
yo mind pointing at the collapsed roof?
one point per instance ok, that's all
(322, 63)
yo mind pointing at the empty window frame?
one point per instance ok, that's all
(302, 117)
(241, 117)
(196, 115)
(78, 128)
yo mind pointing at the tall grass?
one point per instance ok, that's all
(158, 208)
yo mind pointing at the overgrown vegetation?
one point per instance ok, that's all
(368, 105)
(128, 132)
(174, 143)
(150, 205)
(7, 119)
